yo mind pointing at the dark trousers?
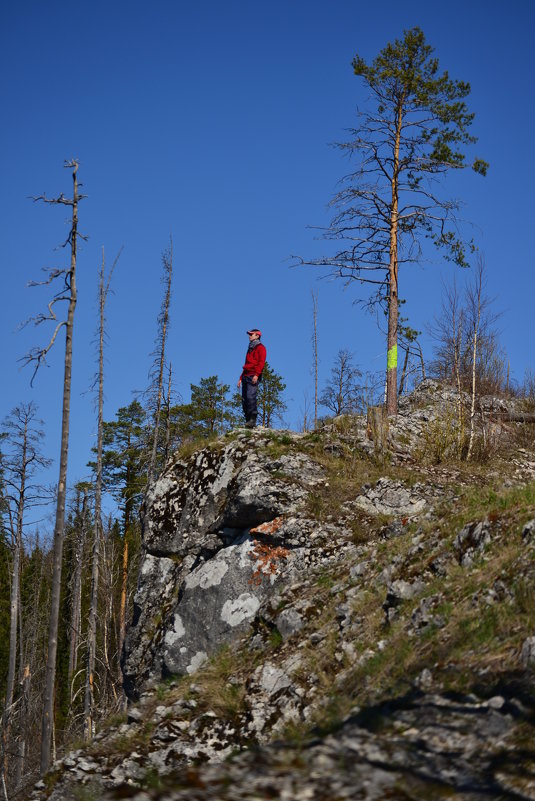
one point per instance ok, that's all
(248, 397)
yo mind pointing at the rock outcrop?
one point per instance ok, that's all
(208, 562)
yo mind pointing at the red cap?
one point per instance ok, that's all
(255, 331)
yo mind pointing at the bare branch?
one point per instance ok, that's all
(38, 355)
(54, 272)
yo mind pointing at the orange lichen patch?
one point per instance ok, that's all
(268, 528)
(267, 558)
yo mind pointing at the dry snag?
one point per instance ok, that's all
(68, 294)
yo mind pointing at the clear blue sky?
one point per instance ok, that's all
(212, 121)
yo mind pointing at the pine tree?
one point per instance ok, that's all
(412, 136)
(125, 462)
(271, 404)
(210, 410)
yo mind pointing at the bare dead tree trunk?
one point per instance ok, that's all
(59, 529)
(315, 353)
(305, 410)
(89, 697)
(404, 372)
(422, 363)
(163, 324)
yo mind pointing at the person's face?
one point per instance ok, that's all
(252, 337)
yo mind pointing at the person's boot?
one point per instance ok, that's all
(251, 422)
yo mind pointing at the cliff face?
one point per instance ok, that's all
(209, 563)
(357, 624)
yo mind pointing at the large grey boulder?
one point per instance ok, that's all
(204, 573)
(218, 600)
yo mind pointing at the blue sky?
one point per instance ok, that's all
(212, 122)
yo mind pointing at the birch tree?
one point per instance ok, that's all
(341, 394)
(411, 134)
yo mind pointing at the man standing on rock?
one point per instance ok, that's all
(251, 376)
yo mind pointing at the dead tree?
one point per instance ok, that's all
(89, 700)
(157, 373)
(38, 355)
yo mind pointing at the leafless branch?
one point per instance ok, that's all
(38, 355)
(54, 272)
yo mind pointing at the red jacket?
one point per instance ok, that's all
(254, 361)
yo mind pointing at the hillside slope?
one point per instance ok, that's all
(316, 619)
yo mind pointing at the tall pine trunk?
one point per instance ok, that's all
(393, 299)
